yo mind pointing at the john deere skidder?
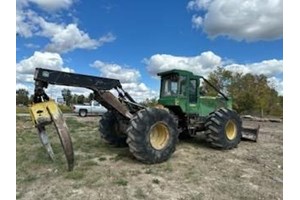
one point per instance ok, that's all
(150, 133)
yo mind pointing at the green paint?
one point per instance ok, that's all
(181, 89)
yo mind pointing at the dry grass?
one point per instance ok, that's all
(195, 171)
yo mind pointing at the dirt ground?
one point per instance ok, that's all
(195, 171)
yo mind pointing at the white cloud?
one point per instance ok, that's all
(25, 71)
(197, 21)
(22, 86)
(239, 19)
(24, 26)
(207, 62)
(269, 68)
(139, 91)
(70, 38)
(32, 46)
(109, 37)
(277, 84)
(47, 5)
(109, 70)
(25, 68)
(198, 4)
(202, 64)
(52, 5)
(63, 38)
(130, 79)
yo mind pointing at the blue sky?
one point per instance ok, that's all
(134, 40)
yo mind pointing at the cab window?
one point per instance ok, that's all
(182, 86)
(193, 91)
(170, 86)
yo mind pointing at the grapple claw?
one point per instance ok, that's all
(44, 113)
(45, 141)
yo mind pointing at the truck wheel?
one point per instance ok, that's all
(82, 113)
(152, 135)
(224, 129)
(110, 130)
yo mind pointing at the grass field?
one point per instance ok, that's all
(25, 109)
(195, 171)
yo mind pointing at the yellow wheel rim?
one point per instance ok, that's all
(231, 130)
(159, 135)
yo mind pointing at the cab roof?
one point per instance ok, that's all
(178, 71)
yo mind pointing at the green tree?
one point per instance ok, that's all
(251, 93)
(22, 97)
(221, 79)
(278, 110)
(74, 99)
(80, 99)
(67, 95)
(242, 90)
(91, 96)
(150, 102)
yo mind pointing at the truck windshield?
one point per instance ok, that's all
(170, 86)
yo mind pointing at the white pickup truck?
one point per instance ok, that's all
(93, 108)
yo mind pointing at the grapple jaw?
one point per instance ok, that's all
(250, 134)
(45, 113)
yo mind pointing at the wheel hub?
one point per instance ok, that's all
(231, 130)
(159, 135)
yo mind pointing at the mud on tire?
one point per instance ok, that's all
(109, 128)
(152, 135)
(224, 129)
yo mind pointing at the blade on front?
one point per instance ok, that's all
(250, 133)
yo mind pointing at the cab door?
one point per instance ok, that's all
(192, 95)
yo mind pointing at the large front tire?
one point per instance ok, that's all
(109, 128)
(224, 129)
(152, 135)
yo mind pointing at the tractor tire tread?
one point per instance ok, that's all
(138, 135)
(215, 127)
(108, 133)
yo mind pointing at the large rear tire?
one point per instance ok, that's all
(152, 135)
(109, 128)
(224, 129)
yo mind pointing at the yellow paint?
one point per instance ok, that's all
(231, 130)
(41, 112)
(159, 135)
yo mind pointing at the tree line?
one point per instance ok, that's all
(70, 98)
(252, 94)
(23, 98)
